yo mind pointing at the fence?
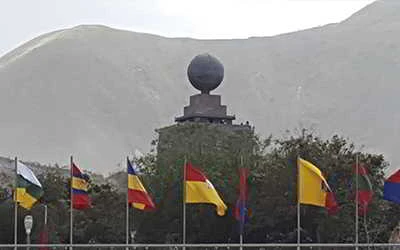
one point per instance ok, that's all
(220, 246)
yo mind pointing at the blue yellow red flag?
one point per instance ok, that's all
(79, 182)
(137, 194)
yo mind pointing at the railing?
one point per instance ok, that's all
(259, 246)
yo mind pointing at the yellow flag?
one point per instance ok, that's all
(312, 184)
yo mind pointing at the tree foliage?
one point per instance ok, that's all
(272, 199)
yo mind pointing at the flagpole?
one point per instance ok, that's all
(45, 214)
(127, 204)
(356, 229)
(241, 212)
(71, 206)
(366, 228)
(298, 203)
(16, 204)
(241, 240)
(184, 206)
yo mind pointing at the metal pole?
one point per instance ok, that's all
(45, 214)
(184, 205)
(45, 223)
(28, 241)
(357, 172)
(298, 203)
(71, 207)
(366, 229)
(213, 245)
(133, 227)
(127, 204)
(16, 204)
(241, 212)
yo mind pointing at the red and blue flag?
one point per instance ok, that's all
(391, 189)
(241, 210)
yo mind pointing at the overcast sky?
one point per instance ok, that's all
(22, 20)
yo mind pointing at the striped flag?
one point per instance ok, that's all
(80, 196)
(29, 190)
(137, 194)
(391, 189)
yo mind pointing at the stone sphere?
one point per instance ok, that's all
(205, 73)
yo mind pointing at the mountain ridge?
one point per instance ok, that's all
(99, 93)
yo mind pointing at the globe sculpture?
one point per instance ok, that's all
(205, 73)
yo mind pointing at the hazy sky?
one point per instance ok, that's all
(22, 20)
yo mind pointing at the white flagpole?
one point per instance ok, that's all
(127, 203)
(71, 207)
(241, 212)
(366, 229)
(15, 204)
(45, 214)
(184, 206)
(357, 172)
(241, 240)
(298, 203)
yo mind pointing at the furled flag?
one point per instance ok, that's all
(137, 194)
(200, 190)
(29, 190)
(44, 238)
(314, 189)
(241, 209)
(364, 188)
(391, 189)
(80, 197)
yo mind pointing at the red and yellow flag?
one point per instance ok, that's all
(313, 187)
(200, 190)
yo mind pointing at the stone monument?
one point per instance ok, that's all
(205, 131)
(205, 73)
(205, 136)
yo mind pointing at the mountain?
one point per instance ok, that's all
(99, 93)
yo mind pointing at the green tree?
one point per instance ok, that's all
(219, 153)
(273, 189)
(275, 182)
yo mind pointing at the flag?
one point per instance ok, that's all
(137, 194)
(44, 238)
(391, 188)
(364, 189)
(241, 204)
(200, 190)
(80, 197)
(29, 190)
(314, 189)
(241, 209)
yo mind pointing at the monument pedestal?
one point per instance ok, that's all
(205, 108)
